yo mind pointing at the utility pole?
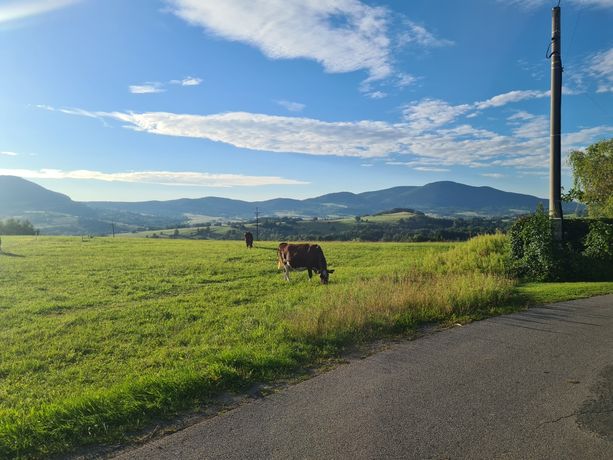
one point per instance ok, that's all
(257, 224)
(555, 202)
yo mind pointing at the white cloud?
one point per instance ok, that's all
(493, 175)
(273, 133)
(404, 79)
(533, 128)
(152, 87)
(511, 96)
(415, 33)
(431, 113)
(20, 9)
(521, 115)
(9, 154)
(428, 136)
(377, 95)
(342, 35)
(291, 106)
(194, 179)
(430, 169)
(191, 81)
(147, 88)
(187, 81)
(601, 67)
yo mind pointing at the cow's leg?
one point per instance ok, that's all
(286, 273)
(310, 273)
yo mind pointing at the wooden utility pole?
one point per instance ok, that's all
(555, 201)
(257, 224)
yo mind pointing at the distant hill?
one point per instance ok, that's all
(21, 197)
(56, 213)
(440, 198)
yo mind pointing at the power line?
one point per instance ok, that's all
(257, 224)
(572, 36)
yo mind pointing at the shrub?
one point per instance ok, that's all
(585, 254)
(534, 252)
(599, 241)
(597, 257)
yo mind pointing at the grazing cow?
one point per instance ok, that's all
(304, 256)
(249, 239)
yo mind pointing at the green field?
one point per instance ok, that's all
(101, 336)
(303, 226)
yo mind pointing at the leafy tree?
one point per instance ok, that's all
(16, 227)
(593, 178)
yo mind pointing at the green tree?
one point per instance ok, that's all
(16, 227)
(593, 178)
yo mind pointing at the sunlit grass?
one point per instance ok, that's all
(99, 336)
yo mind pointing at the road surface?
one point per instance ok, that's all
(536, 384)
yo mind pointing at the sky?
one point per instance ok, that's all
(256, 99)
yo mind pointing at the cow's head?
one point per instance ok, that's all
(324, 276)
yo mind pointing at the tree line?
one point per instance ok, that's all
(17, 227)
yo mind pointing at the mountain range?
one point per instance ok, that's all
(55, 213)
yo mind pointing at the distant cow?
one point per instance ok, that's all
(304, 256)
(249, 239)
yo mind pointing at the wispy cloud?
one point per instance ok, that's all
(493, 175)
(20, 9)
(404, 79)
(147, 88)
(291, 106)
(152, 87)
(416, 33)
(510, 97)
(187, 81)
(601, 68)
(9, 154)
(430, 169)
(430, 135)
(192, 179)
(377, 95)
(342, 35)
(431, 113)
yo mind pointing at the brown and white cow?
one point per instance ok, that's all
(303, 256)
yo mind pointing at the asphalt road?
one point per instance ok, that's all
(537, 384)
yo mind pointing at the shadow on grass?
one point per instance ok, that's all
(10, 254)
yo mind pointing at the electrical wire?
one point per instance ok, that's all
(572, 37)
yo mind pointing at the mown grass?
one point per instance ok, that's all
(100, 336)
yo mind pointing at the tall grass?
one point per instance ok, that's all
(485, 254)
(368, 308)
(458, 282)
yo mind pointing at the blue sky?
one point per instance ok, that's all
(255, 99)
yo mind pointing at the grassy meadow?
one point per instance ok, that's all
(100, 336)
